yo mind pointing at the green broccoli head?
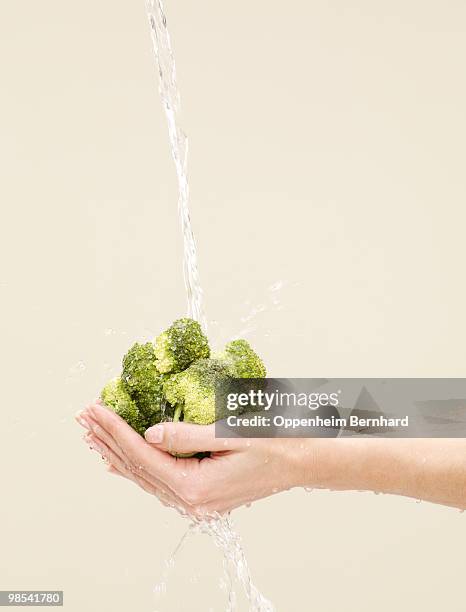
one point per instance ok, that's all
(175, 378)
(115, 396)
(193, 391)
(180, 345)
(143, 381)
(173, 388)
(243, 361)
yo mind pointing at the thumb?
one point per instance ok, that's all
(186, 438)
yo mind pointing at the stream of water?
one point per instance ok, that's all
(170, 96)
(218, 528)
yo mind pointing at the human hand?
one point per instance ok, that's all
(237, 472)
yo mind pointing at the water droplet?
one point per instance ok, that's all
(77, 368)
(170, 563)
(276, 286)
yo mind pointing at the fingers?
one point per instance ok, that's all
(157, 464)
(111, 469)
(132, 444)
(101, 435)
(187, 484)
(107, 453)
(117, 467)
(102, 438)
(185, 438)
(86, 421)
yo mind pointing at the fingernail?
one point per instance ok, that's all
(81, 420)
(154, 434)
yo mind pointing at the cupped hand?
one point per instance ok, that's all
(237, 471)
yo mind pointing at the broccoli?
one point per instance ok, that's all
(173, 388)
(242, 360)
(180, 345)
(143, 382)
(176, 379)
(193, 391)
(115, 396)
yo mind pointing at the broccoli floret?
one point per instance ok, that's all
(180, 345)
(193, 391)
(173, 388)
(143, 381)
(115, 396)
(243, 361)
(175, 378)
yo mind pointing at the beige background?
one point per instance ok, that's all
(327, 151)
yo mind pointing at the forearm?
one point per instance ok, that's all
(428, 469)
(240, 471)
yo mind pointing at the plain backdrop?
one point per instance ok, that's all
(327, 143)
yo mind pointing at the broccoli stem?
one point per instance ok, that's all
(177, 415)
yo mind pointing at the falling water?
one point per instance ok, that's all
(235, 563)
(219, 528)
(170, 96)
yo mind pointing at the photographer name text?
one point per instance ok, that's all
(278, 420)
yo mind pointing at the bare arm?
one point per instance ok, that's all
(428, 469)
(239, 471)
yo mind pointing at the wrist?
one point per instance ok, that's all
(350, 464)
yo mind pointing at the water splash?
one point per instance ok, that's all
(234, 562)
(235, 565)
(170, 96)
(219, 528)
(161, 587)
